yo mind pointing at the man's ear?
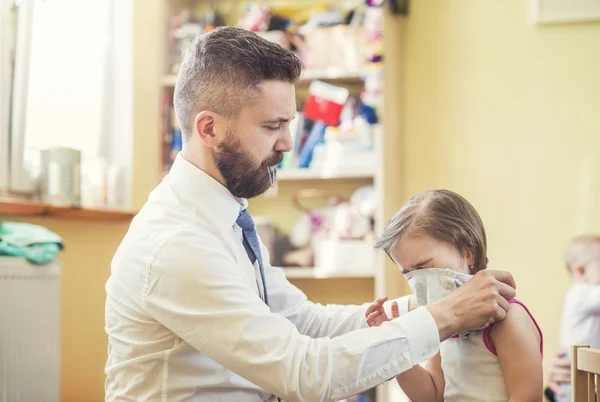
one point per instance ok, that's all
(204, 125)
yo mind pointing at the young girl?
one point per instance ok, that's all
(438, 241)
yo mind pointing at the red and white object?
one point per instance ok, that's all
(325, 102)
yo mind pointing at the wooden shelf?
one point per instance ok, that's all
(169, 80)
(26, 208)
(338, 75)
(316, 273)
(316, 174)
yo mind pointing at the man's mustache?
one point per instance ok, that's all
(274, 160)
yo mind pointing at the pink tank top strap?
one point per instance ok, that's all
(486, 332)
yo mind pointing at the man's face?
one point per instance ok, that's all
(254, 143)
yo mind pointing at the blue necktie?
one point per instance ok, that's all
(252, 246)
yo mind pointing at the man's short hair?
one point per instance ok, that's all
(222, 70)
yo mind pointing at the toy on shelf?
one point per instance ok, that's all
(255, 18)
(337, 237)
(325, 102)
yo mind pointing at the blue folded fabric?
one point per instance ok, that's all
(35, 243)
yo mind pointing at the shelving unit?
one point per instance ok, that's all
(332, 74)
(169, 80)
(293, 179)
(317, 273)
(315, 174)
(26, 208)
(343, 182)
(335, 75)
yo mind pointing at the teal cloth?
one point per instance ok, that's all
(35, 243)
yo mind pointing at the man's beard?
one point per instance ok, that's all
(243, 178)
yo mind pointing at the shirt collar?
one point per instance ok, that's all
(211, 197)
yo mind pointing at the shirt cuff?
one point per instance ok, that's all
(402, 305)
(362, 320)
(421, 333)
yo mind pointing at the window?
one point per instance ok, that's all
(72, 87)
(7, 44)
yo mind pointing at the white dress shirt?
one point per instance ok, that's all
(185, 321)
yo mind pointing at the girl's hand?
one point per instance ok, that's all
(376, 314)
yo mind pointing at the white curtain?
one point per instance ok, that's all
(67, 74)
(7, 38)
(78, 88)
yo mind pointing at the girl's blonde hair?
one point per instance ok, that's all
(444, 216)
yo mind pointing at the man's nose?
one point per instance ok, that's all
(284, 143)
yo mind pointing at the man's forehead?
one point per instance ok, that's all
(274, 99)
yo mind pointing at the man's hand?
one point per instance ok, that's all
(559, 372)
(376, 315)
(479, 302)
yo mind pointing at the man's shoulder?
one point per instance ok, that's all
(174, 235)
(162, 231)
(150, 251)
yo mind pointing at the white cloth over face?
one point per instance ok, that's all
(433, 284)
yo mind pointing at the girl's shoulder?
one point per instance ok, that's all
(518, 316)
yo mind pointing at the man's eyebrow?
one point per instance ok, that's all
(278, 120)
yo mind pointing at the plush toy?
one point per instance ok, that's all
(256, 18)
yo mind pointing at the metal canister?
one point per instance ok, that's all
(61, 176)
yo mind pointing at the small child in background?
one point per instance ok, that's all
(438, 241)
(580, 323)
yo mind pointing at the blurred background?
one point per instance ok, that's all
(496, 100)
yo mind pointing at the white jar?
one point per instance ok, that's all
(61, 176)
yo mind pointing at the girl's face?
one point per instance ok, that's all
(422, 251)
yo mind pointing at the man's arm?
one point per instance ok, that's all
(311, 319)
(486, 295)
(195, 289)
(481, 301)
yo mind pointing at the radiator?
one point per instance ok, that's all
(29, 331)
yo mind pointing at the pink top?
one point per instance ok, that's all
(486, 332)
(471, 368)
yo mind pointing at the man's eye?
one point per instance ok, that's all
(271, 128)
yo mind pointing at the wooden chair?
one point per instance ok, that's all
(585, 374)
